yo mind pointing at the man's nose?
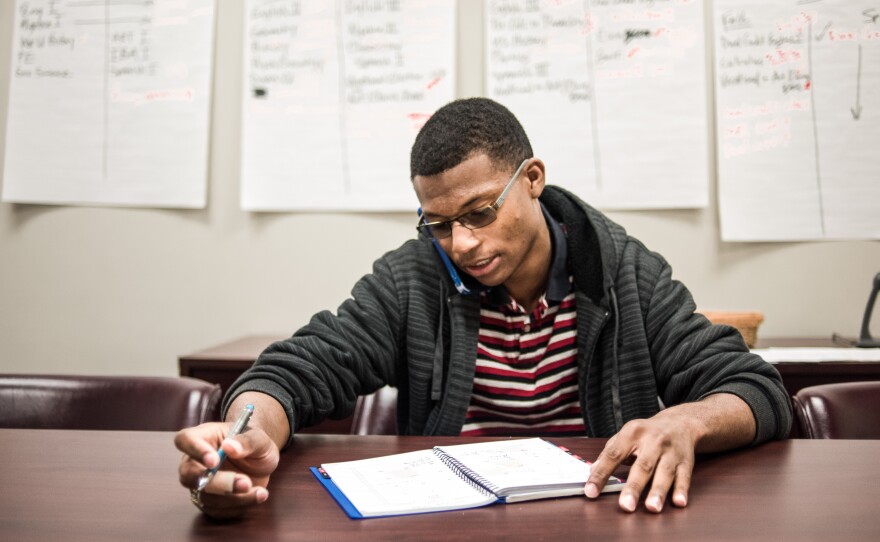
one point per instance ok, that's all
(464, 240)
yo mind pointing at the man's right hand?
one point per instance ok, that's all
(252, 456)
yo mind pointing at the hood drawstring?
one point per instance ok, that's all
(437, 367)
(615, 381)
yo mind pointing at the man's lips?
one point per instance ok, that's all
(480, 266)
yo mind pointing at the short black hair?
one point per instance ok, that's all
(464, 127)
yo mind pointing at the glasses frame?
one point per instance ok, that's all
(428, 227)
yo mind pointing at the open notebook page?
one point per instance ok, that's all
(509, 466)
(408, 483)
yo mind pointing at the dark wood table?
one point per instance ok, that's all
(93, 485)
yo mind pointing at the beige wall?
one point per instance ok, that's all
(125, 291)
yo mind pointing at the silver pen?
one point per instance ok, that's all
(237, 428)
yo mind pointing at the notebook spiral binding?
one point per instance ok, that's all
(467, 474)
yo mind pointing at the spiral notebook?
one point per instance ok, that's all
(456, 477)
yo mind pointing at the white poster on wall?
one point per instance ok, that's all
(612, 94)
(109, 103)
(334, 95)
(798, 106)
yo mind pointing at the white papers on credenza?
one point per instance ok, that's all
(334, 95)
(109, 103)
(780, 354)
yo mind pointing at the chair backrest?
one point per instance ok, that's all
(140, 403)
(848, 410)
(376, 414)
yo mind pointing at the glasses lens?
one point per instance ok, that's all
(439, 231)
(479, 218)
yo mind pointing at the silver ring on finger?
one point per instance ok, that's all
(195, 496)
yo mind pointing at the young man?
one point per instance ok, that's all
(518, 310)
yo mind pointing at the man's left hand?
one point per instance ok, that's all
(662, 449)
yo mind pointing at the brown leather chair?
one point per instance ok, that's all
(849, 410)
(140, 403)
(376, 414)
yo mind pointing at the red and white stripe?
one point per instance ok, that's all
(526, 372)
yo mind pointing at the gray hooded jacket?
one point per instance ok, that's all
(406, 326)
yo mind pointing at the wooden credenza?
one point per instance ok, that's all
(223, 363)
(798, 375)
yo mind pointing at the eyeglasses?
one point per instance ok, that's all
(471, 220)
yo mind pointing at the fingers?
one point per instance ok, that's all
(199, 447)
(241, 481)
(251, 452)
(669, 475)
(664, 476)
(242, 445)
(639, 476)
(616, 451)
(659, 461)
(227, 482)
(253, 443)
(682, 484)
(232, 505)
(673, 471)
(254, 454)
(200, 443)
(229, 494)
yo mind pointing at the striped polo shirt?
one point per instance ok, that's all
(526, 370)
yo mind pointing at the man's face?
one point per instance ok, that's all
(494, 253)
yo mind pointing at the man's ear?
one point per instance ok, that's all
(535, 173)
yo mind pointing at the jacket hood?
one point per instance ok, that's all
(594, 256)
